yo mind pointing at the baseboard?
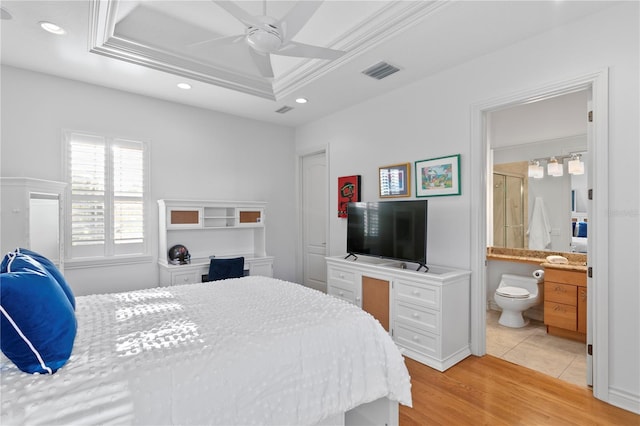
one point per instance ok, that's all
(624, 400)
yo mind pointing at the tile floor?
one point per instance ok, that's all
(532, 347)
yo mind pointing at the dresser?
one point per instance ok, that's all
(565, 302)
(426, 313)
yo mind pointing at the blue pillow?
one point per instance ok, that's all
(37, 322)
(53, 270)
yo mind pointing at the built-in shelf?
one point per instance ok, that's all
(211, 228)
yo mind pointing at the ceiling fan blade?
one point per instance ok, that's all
(263, 62)
(297, 17)
(219, 41)
(239, 13)
(308, 51)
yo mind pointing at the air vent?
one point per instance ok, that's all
(284, 109)
(380, 70)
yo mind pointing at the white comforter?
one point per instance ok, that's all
(253, 350)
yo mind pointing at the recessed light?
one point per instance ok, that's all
(52, 28)
(185, 86)
(302, 100)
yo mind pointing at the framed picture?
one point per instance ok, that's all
(438, 176)
(395, 180)
(348, 191)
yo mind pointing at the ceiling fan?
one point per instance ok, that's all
(265, 36)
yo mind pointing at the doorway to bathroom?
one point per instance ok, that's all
(520, 136)
(596, 85)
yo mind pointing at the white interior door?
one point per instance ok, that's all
(314, 218)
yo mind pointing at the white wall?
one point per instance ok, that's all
(431, 118)
(195, 154)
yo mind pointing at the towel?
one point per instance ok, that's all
(539, 227)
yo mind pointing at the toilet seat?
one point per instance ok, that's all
(513, 292)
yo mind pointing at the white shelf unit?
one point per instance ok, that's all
(428, 311)
(211, 228)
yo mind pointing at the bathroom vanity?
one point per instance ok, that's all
(565, 300)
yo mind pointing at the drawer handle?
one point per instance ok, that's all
(416, 338)
(416, 293)
(416, 315)
(341, 293)
(558, 308)
(560, 289)
(357, 299)
(341, 275)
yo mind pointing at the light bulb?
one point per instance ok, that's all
(575, 166)
(554, 168)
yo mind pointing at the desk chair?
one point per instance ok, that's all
(220, 269)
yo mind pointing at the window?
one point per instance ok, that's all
(108, 188)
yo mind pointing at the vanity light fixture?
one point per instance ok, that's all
(575, 166)
(554, 168)
(184, 86)
(52, 28)
(535, 169)
(302, 100)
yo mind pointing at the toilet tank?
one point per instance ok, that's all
(531, 284)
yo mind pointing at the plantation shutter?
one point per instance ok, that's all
(108, 194)
(128, 191)
(87, 174)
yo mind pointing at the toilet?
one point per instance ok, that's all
(514, 295)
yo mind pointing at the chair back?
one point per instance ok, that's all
(221, 269)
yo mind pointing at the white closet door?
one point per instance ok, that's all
(314, 218)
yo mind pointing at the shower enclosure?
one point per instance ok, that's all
(508, 211)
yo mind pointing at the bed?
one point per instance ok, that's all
(252, 350)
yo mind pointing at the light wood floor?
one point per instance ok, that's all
(491, 391)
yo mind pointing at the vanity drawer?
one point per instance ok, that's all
(566, 277)
(417, 316)
(418, 293)
(561, 293)
(560, 315)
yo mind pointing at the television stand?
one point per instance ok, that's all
(427, 312)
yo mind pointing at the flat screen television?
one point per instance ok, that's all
(388, 229)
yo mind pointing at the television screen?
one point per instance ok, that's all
(389, 229)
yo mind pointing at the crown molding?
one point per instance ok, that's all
(372, 31)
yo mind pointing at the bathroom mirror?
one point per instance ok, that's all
(538, 130)
(521, 205)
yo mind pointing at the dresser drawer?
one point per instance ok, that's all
(341, 275)
(420, 341)
(561, 293)
(417, 316)
(342, 293)
(560, 315)
(416, 293)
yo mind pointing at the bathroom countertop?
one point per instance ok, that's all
(577, 261)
